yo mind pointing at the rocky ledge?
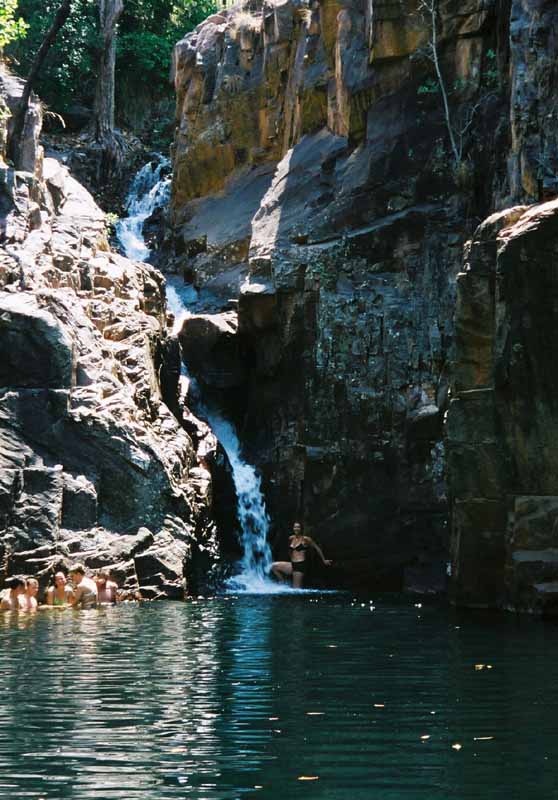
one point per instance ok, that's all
(94, 463)
(314, 180)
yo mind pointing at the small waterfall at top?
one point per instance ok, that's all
(149, 191)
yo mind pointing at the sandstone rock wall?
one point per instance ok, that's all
(93, 464)
(313, 178)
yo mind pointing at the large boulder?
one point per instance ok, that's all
(35, 349)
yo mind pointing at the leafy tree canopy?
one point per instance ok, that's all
(11, 27)
(148, 31)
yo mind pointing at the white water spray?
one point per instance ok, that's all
(255, 565)
(149, 191)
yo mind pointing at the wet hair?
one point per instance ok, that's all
(53, 577)
(77, 568)
(13, 583)
(103, 573)
(32, 580)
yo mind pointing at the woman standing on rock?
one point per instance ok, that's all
(59, 594)
(296, 567)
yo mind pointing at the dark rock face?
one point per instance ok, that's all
(349, 250)
(533, 165)
(93, 464)
(348, 322)
(503, 419)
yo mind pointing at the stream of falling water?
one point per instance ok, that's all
(149, 191)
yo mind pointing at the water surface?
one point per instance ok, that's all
(243, 697)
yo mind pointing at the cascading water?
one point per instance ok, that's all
(254, 567)
(150, 190)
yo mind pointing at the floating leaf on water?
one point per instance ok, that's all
(425, 737)
(482, 738)
(257, 786)
(315, 713)
(456, 746)
(273, 719)
(308, 778)
(379, 705)
(489, 666)
(332, 645)
(479, 666)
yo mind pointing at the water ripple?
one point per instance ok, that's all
(303, 697)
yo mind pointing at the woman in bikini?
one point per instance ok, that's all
(296, 567)
(59, 594)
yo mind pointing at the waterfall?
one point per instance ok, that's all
(252, 575)
(254, 567)
(149, 191)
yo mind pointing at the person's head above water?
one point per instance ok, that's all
(17, 585)
(77, 573)
(102, 576)
(32, 587)
(59, 579)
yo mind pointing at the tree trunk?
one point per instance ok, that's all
(19, 119)
(111, 149)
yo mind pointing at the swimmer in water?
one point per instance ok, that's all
(106, 589)
(29, 599)
(12, 599)
(59, 594)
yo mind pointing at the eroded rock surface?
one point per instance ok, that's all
(322, 127)
(94, 467)
(329, 118)
(503, 417)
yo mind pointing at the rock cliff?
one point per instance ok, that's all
(313, 178)
(319, 178)
(502, 418)
(94, 466)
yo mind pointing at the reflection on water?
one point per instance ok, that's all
(213, 700)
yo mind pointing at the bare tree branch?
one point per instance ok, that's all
(431, 8)
(19, 120)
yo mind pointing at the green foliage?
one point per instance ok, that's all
(430, 86)
(490, 74)
(67, 76)
(11, 28)
(148, 31)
